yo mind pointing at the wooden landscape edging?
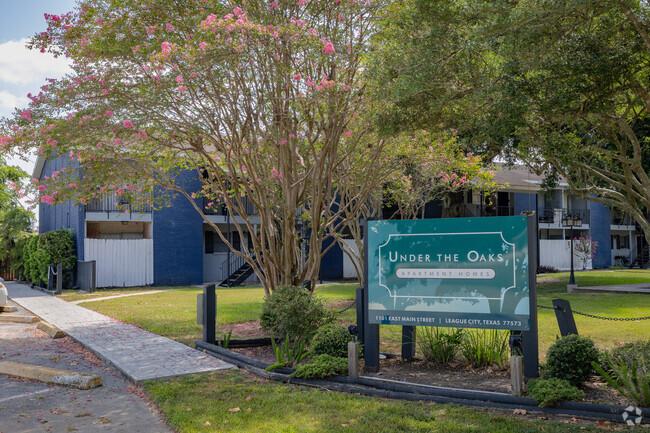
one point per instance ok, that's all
(417, 392)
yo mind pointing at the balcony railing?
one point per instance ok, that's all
(554, 216)
(110, 203)
(622, 220)
(211, 207)
(478, 210)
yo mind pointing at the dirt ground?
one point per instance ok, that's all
(31, 406)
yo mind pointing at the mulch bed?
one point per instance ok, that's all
(455, 375)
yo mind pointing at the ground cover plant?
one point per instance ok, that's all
(549, 392)
(241, 402)
(627, 369)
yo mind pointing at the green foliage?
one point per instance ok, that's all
(485, 347)
(332, 340)
(225, 342)
(571, 358)
(288, 354)
(295, 312)
(627, 369)
(439, 345)
(56, 246)
(549, 392)
(322, 365)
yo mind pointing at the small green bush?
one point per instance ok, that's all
(332, 340)
(293, 311)
(549, 392)
(439, 345)
(570, 358)
(55, 246)
(485, 347)
(627, 369)
(322, 366)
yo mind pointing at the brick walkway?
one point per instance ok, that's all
(138, 354)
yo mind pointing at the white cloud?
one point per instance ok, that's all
(9, 101)
(21, 66)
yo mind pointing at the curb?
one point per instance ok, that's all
(16, 318)
(50, 330)
(50, 375)
(7, 309)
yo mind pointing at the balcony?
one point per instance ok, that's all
(108, 207)
(552, 217)
(621, 221)
(478, 210)
(218, 211)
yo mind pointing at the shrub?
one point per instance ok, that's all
(56, 246)
(485, 347)
(548, 392)
(322, 365)
(293, 311)
(439, 345)
(332, 340)
(627, 369)
(571, 358)
(543, 269)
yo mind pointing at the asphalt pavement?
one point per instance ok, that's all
(30, 406)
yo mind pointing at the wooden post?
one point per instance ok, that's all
(517, 375)
(408, 342)
(209, 314)
(353, 359)
(564, 316)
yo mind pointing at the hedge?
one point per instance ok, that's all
(56, 246)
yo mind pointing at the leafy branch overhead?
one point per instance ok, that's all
(562, 86)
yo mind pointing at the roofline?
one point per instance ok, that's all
(38, 167)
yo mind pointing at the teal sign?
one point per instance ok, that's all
(459, 272)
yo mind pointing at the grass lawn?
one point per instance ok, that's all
(173, 313)
(236, 401)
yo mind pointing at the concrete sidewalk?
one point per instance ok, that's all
(619, 288)
(138, 354)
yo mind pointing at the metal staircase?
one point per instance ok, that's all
(238, 272)
(642, 259)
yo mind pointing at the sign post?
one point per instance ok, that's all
(460, 272)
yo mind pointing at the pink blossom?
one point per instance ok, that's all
(179, 79)
(118, 141)
(47, 199)
(182, 89)
(41, 187)
(166, 47)
(27, 114)
(202, 45)
(274, 4)
(297, 77)
(128, 124)
(169, 28)
(108, 113)
(328, 48)
(34, 180)
(82, 200)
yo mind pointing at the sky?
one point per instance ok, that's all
(24, 71)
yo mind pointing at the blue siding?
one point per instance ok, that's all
(64, 215)
(331, 266)
(599, 225)
(523, 201)
(178, 239)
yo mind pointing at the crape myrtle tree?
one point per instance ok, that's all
(423, 167)
(562, 86)
(255, 97)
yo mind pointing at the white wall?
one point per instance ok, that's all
(121, 262)
(557, 253)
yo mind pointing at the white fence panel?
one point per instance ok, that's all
(348, 265)
(121, 262)
(557, 253)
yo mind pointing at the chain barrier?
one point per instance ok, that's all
(348, 307)
(593, 316)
